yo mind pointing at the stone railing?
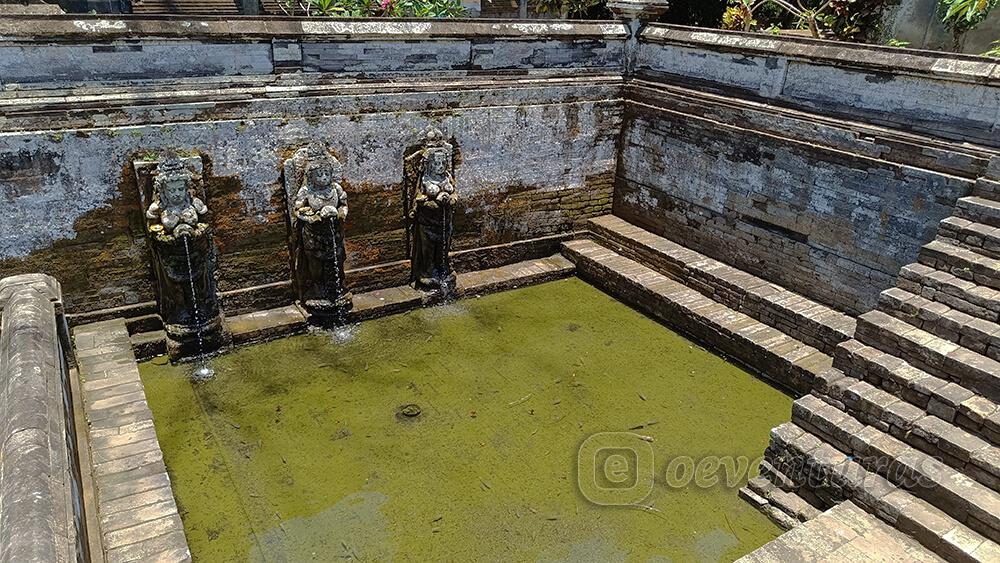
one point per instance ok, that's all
(40, 493)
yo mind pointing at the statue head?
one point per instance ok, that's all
(172, 186)
(438, 152)
(322, 170)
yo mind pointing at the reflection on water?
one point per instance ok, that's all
(297, 451)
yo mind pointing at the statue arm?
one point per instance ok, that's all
(199, 206)
(342, 202)
(300, 197)
(154, 211)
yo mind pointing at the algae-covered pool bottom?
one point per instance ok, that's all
(300, 449)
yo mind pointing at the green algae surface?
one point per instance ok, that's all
(298, 450)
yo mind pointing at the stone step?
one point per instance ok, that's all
(144, 323)
(943, 287)
(775, 355)
(957, 448)
(962, 263)
(986, 187)
(944, 399)
(801, 318)
(148, 345)
(844, 533)
(979, 210)
(944, 487)
(830, 473)
(976, 334)
(785, 508)
(977, 237)
(931, 353)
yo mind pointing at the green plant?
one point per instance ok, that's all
(962, 15)
(740, 16)
(804, 13)
(368, 8)
(566, 8)
(897, 43)
(422, 8)
(854, 20)
(994, 51)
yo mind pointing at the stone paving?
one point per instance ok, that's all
(138, 515)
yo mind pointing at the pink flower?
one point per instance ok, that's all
(385, 4)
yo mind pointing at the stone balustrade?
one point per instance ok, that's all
(39, 490)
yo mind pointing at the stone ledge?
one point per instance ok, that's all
(965, 500)
(84, 28)
(269, 324)
(805, 458)
(138, 515)
(946, 66)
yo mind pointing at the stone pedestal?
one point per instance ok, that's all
(188, 302)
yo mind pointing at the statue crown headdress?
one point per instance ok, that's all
(170, 167)
(317, 158)
(434, 138)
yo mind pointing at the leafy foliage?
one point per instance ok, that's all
(371, 8)
(849, 20)
(854, 20)
(422, 8)
(962, 15)
(567, 8)
(739, 18)
(994, 51)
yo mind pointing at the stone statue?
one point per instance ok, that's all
(431, 200)
(317, 214)
(183, 259)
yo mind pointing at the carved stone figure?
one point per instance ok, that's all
(432, 196)
(317, 214)
(184, 261)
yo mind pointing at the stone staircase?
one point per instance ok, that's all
(906, 422)
(782, 335)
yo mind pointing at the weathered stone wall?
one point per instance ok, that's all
(37, 52)
(38, 490)
(939, 94)
(829, 208)
(536, 159)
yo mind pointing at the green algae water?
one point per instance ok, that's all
(301, 450)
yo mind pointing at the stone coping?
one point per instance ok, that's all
(947, 66)
(88, 28)
(38, 488)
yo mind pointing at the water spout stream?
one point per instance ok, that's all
(203, 371)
